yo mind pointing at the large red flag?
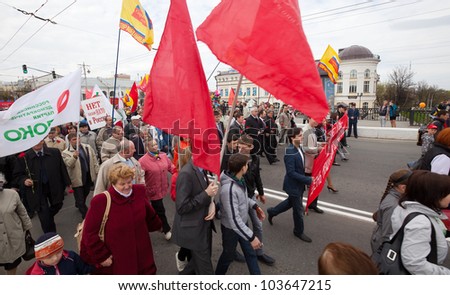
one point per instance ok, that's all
(264, 41)
(177, 99)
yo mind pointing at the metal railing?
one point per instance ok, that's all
(415, 117)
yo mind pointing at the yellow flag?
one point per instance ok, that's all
(134, 20)
(330, 63)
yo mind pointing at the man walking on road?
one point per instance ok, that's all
(294, 184)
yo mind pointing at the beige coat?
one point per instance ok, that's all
(102, 183)
(14, 221)
(57, 143)
(74, 166)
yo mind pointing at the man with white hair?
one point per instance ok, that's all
(125, 155)
(132, 129)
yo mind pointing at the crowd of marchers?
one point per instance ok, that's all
(126, 166)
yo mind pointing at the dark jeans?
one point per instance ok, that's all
(352, 125)
(230, 240)
(80, 193)
(47, 212)
(294, 202)
(158, 205)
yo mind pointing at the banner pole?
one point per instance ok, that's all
(227, 129)
(115, 77)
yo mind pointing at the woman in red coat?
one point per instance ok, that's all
(127, 248)
(156, 165)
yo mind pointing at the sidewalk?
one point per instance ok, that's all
(372, 129)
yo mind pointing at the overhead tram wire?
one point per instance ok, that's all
(360, 13)
(347, 11)
(338, 8)
(12, 37)
(29, 38)
(379, 22)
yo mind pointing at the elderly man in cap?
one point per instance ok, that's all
(132, 129)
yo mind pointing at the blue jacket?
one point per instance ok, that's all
(295, 179)
(353, 113)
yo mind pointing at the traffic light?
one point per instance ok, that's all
(24, 69)
(53, 74)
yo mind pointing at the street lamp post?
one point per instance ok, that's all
(360, 95)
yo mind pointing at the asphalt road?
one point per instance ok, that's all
(361, 182)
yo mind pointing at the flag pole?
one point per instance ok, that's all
(115, 78)
(227, 129)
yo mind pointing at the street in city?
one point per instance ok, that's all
(361, 182)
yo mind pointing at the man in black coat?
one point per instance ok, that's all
(44, 177)
(255, 127)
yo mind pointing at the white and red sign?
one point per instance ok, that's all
(30, 118)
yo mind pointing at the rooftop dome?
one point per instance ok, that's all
(355, 52)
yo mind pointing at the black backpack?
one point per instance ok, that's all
(388, 256)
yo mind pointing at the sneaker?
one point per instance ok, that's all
(180, 264)
(168, 235)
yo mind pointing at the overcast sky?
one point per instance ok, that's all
(404, 33)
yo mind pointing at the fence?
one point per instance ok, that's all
(415, 117)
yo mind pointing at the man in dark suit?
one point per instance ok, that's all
(193, 223)
(237, 126)
(44, 175)
(353, 115)
(140, 142)
(219, 125)
(255, 127)
(294, 184)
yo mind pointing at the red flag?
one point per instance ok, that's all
(324, 161)
(231, 97)
(177, 99)
(144, 83)
(132, 98)
(88, 93)
(264, 41)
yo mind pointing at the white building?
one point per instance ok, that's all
(249, 92)
(358, 77)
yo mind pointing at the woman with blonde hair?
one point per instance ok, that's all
(126, 248)
(395, 188)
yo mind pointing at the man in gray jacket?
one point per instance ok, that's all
(235, 208)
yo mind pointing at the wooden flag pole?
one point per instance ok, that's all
(227, 129)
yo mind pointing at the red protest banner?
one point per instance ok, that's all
(322, 164)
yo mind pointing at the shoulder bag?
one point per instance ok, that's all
(388, 256)
(101, 233)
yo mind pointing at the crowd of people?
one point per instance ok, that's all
(126, 167)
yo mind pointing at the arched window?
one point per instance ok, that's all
(353, 74)
(367, 74)
(340, 75)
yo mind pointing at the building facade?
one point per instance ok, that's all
(358, 78)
